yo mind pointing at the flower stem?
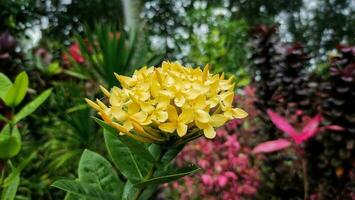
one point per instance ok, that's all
(149, 175)
(305, 179)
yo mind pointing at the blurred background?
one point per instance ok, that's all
(293, 57)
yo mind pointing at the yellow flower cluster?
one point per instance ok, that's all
(157, 103)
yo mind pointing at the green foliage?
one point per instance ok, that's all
(224, 48)
(10, 137)
(168, 176)
(17, 91)
(5, 85)
(109, 49)
(85, 190)
(142, 167)
(124, 159)
(9, 192)
(10, 143)
(32, 106)
(96, 170)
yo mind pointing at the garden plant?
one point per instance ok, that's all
(190, 100)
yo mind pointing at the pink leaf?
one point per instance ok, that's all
(335, 128)
(282, 124)
(271, 146)
(309, 130)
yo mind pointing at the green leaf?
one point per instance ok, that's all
(105, 126)
(75, 74)
(32, 106)
(83, 189)
(168, 176)
(132, 167)
(10, 144)
(171, 154)
(16, 172)
(70, 196)
(129, 191)
(53, 68)
(9, 192)
(96, 170)
(17, 91)
(138, 149)
(5, 84)
(148, 192)
(135, 147)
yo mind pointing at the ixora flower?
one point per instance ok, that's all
(172, 101)
(308, 131)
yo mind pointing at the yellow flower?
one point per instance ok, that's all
(176, 122)
(168, 103)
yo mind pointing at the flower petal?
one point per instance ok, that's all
(209, 132)
(168, 127)
(179, 100)
(218, 120)
(271, 146)
(181, 129)
(173, 115)
(202, 116)
(118, 113)
(161, 116)
(239, 113)
(186, 115)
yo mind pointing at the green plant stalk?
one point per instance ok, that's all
(149, 175)
(2, 169)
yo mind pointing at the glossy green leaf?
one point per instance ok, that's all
(70, 196)
(32, 106)
(96, 170)
(17, 91)
(5, 84)
(138, 149)
(81, 189)
(132, 167)
(171, 154)
(10, 144)
(148, 192)
(129, 191)
(9, 192)
(169, 176)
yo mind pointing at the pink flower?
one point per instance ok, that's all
(203, 163)
(247, 189)
(75, 53)
(207, 179)
(231, 175)
(221, 132)
(222, 181)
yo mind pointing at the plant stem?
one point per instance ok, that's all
(305, 179)
(149, 175)
(2, 169)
